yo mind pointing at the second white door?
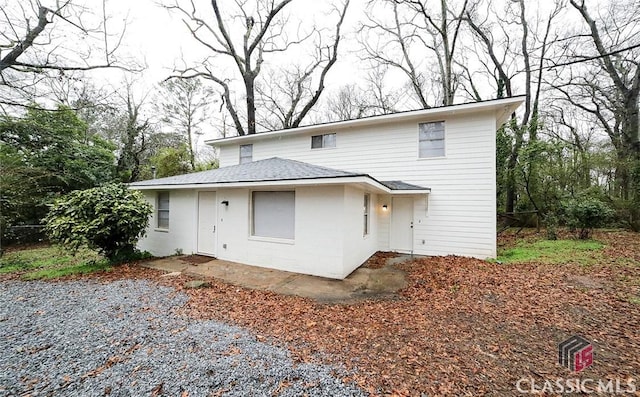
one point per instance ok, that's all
(401, 230)
(207, 223)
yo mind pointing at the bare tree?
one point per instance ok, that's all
(35, 45)
(515, 58)
(184, 105)
(289, 95)
(353, 101)
(603, 80)
(245, 34)
(348, 103)
(416, 33)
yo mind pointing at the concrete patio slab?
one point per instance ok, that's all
(362, 283)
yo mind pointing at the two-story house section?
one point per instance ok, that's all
(321, 199)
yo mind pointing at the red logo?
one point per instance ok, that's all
(575, 353)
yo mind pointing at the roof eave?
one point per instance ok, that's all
(372, 183)
(279, 182)
(500, 106)
(411, 192)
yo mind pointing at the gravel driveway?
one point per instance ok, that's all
(124, 339)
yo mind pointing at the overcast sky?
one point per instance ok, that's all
(160, 38)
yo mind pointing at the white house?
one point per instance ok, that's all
(321, 199)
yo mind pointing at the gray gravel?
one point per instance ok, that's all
(124, 339)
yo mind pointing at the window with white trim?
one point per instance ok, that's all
(323, 141)
(367, 209)
(273, 214)
(246, 153)
(431, 139)
(162, 210)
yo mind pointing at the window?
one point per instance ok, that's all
(323, 141)
(273, 214)
(246, 154)
(367, 199)
(162, 208)
(431, 139)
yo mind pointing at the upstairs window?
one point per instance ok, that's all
(246, 154)
(431, 139)
(162, 210)
(323, 141)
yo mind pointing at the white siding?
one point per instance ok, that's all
(461, 215)
(182, 231)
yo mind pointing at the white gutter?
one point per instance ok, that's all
(290, 182)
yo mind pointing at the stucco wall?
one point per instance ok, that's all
(358, 247)
(328, 220)
(317, 248)
(182, 225)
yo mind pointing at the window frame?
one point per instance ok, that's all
(159, 209)
(247, 159)
(323, 143)
(443, 139)
(366, 214)
(252, 221)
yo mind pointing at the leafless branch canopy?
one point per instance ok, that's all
(416, 40)
(245, 34)
(35, 45)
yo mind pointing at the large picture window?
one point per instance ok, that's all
(273, 214)
(431, 139)
(162, 210)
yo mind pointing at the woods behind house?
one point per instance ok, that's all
(266, 66)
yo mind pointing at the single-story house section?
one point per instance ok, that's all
(276, 213)
(321, 199)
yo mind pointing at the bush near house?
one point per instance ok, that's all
(109, 219)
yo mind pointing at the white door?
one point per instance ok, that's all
(207, 223)
(401, 230)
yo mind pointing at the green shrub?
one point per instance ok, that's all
(110, 219)
(584, 214)
(551, 223)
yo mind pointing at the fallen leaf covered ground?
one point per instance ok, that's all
(461, 326)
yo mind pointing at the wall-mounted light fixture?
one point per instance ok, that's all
(225, 203)
(385, 207)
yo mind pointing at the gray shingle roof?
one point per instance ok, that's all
(399, 185)
(273, 169)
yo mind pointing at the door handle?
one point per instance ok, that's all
(411, 224)
(214, 229)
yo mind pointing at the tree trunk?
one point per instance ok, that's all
(511, 189)
(192, 156)
(251, 105)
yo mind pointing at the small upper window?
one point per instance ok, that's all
(431, 139)
(323, 141)
(162, 210)
(246, 154)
